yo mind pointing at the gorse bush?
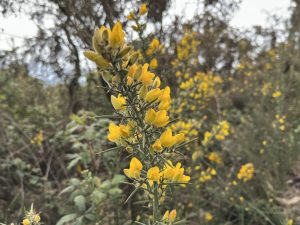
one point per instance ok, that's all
(165, 130)
(142, 107)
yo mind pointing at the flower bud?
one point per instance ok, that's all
(133, 58)
(124, 51)
(97, 58)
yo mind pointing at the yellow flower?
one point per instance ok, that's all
(175, 174)
(212, 171)
(26, 222)
(156, 82)
(114, 132)
(224, 128)
(146, 77)
(37, 218)
(153, 174)
(143, 9)
(153, 95)
(170, 217)
(220, 137)
(116, 39)
(166, 216)
(157, 146)
(131, 16)
(207, 137)
(246, 172)
(204, 176)
(161, 119)
(124, 131)
(134, 170)
(153, 63)
(119, 103)
(168, 140)
(38, 139)
(150, 116)
(165, 94)
(100, 37)
(165, 99)
(242, 199)
(118, 132)
(276, 94)
(165, 105)
(208, 216)
(131, 73)
(157, 119)
(154, 44)
(290, 222)
(214, 157)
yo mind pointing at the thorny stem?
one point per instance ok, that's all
(155, 204)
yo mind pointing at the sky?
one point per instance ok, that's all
(251, 12)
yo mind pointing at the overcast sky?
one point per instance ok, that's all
(252, 12)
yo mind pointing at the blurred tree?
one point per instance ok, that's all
(58, 50)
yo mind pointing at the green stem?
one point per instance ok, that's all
(155, 204)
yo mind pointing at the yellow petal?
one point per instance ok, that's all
(153, 174)
(157, 146)
(166, 216)
(179, 138)
(116, 39)
(114, 132)
(167, 139)
(146, 77)
(26, 222)
(135, 164)
(153, 95)
(164, 105)
(172, 216)
(119, 103)
(153, 63)
(124, 130)
(161, 119)
(150, 116)
(143, 9)
(156, 82)
(165, 94)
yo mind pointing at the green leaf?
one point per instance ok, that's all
(115, 191)
(75, 181)
(106, 185)
(90, 134)
(98, 196)
(118, 178)
(73, 162)
(67, 189)
(80, 203)
(66, 218)
(90, 216)
(77, 119)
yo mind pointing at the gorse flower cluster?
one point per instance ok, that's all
(246, 172)
(141, 105)
(197, 90)
(151, 51)
(38, 138)
(218, 132)
(32, 218)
